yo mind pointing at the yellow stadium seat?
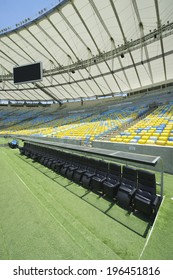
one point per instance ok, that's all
(148, 134)
(141, 141)
(126, 140)
(119, 140)
(169, 143)
(145, 137)
(164, 134)
(152, 130)
(150, 142)
(160, 142)
(163, 138)
(167, 130)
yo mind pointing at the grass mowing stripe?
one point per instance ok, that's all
(93, 242)
(74, 240)
(50, 213)
(45, 207)
(111, 235)
(101, 230)
(102, 246)
(146, 243)
(87, 232)
(110, 241)
(109, 231)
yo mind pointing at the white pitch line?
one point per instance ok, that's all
(53, 215)
(146, 243)
(44, 206)
(49, 212)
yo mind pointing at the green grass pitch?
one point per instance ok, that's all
(46, 216)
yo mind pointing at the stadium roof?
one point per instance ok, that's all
(90, 48)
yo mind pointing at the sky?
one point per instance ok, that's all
(14, 11)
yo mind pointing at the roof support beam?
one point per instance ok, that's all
(71, 61)
(124, 38)
(142, 36)
(131, 65)
(116, 52)
(86, 27)
(112, 44)
(161, 40)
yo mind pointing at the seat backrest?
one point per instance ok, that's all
(115, 170)
(129, 174)
(147, 181)
(61, 155)
(83, 162)
(76, 159)
(102, 166)
(92, 164)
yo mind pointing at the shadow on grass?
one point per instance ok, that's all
(133, 221)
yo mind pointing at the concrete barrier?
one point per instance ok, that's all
(53, 139)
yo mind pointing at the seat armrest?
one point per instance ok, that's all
(132, 193)
(156, 201)
(117, 184)
(89, 175)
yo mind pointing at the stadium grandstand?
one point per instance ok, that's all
(86, 143)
